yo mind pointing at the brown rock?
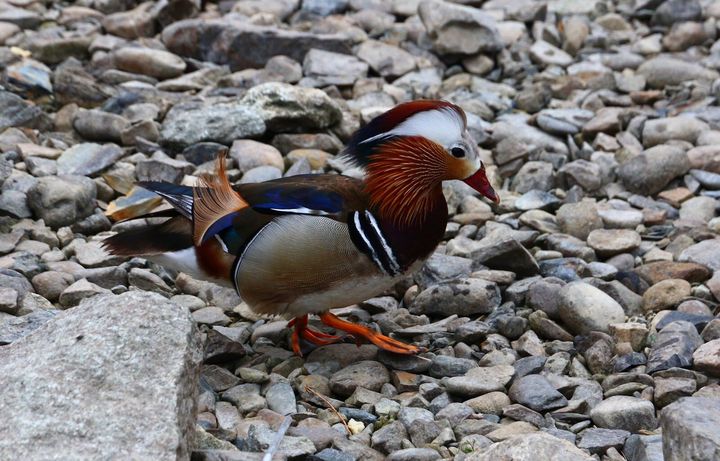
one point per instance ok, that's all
(663, 270)
(665, 295)
(315, 157)
(705, 158)
(675, 196)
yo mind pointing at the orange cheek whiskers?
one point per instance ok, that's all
(401, 176)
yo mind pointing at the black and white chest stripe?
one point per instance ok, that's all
(368, 238)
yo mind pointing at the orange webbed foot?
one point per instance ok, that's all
(301, 330)
(383, 342)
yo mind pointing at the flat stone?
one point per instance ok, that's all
(706, 178)
(537, 445)
(478, 381)
(211, 315)
(88, 159)
(668, 390)
(246, 397)
(664, 270)
(311, 109)
(217, 40)
(598, 441)
(368, 374)
(706, 253)
(79, 291)
(700, 209)
(389, 438)
(491, 403)
(414, 454)
(536, 392)
(609, 242)
(545, 53)
(536, 200)
(147, 382)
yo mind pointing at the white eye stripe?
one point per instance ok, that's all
(443, 126)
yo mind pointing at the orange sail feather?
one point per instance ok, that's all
(213, 199)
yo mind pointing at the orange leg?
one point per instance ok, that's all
(380, 340)
(302, 330)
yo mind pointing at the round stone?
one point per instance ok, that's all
(666, 294)
(584, 308)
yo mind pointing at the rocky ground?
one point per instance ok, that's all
(577, 320)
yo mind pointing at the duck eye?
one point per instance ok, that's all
(458, 152)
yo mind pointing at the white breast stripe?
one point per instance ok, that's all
(361, 232)
(302, 210)
(444, 126)
(394, 266)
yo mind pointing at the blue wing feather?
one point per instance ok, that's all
(298, 200)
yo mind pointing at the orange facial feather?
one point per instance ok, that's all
(402, 175)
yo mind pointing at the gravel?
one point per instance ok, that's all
(562, 323)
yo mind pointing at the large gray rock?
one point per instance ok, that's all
(272, 106)
(462, 297)
(536, 392)
(663, 71)
(15, 111)
(196, 121)
(673, 347)
(243, 45)
(286, 107)
(650, 171)
(116, 376)
(459, 29)
(662, 130)
(706, 253)
(691, 430)
(537, 445)
(62, 200)
(88, 159)
(623, 412)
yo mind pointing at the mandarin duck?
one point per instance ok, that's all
(305, 244)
